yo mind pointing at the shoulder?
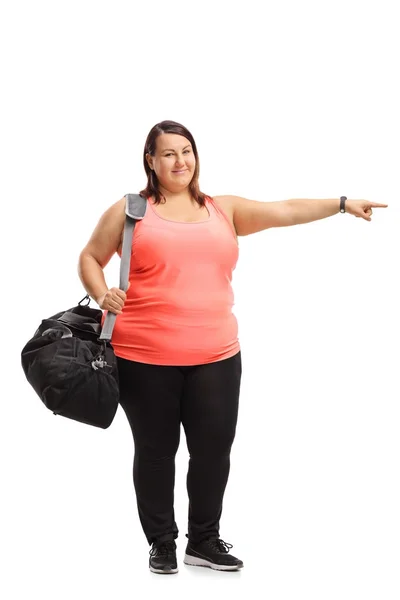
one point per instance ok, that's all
(119, 207)
(112, 221)
(114, 216)
(114, 213)
(226, 203)
(229, 202)
(107, 235)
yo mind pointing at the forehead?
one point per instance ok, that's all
(171, 140)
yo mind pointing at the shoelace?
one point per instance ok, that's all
(164, 548)
(219, 545)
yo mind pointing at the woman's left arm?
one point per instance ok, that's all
(252, 216)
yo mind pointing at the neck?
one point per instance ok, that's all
(182, 197)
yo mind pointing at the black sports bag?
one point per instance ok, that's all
(70, 362)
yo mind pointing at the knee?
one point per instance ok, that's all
(156, 454)
(212, 445)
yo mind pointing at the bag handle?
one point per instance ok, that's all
(135, 209)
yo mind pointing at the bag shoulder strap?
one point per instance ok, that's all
(135, 209)
(135, 206)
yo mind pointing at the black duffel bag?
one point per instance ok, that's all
(70, 362)
(71, 370)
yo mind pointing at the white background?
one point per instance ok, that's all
(285, 100)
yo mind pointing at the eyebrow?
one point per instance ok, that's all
(172, 150)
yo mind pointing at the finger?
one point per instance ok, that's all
(110, 308)
(111, 298)
(378, 205)
(120, 293)
(115, 299)
(116, 309)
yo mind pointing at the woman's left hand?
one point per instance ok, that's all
(362, 208)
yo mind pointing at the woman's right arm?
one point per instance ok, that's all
(102, 245)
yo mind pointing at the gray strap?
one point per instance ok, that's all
(135, 209)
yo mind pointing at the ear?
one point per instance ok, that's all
(149, 159)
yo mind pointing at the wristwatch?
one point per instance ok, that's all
(342, 201)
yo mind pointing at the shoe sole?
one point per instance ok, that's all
(193, 561)
(161, 572)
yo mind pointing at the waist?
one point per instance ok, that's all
(180, 309)
(165, 341)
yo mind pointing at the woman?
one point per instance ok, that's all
(175, 339)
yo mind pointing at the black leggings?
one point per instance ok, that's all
(156, 400)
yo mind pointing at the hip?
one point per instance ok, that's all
(167, 343)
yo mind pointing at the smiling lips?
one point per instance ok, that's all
(179, 172)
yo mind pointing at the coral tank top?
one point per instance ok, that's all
(178, 309)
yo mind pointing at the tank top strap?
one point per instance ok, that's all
(217, 211)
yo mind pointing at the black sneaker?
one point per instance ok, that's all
(213, 553)
(163, 558)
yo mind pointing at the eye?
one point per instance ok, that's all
(170, 153)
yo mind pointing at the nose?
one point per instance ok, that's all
(180, 161)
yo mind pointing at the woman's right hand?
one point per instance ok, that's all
(113, 300)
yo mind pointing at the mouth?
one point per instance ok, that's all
(179, 172)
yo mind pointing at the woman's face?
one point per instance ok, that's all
(174, 162)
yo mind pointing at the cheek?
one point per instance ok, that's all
(165, 166)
